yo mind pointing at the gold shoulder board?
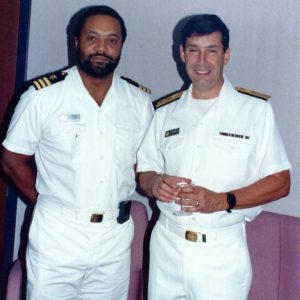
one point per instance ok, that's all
(142, 87)
(252, 93)
(167, 99)
(49, 79)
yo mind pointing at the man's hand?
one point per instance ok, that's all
(161, 186)
(200, 199)
(164, 187)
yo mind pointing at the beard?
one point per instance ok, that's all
(98, 69)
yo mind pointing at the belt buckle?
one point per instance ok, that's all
(96, 218)
(192, 236)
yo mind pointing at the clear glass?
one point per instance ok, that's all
(182, 212)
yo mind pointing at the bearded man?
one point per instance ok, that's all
(83, 126)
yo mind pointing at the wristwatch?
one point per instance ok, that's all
(231, 200)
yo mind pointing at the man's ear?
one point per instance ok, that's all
(182, 53)
(227, 56)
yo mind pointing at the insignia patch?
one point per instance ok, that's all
(168, 99)
(252, 93)
(172, 132)
(235, 135)
(142, 87)
(49, 79)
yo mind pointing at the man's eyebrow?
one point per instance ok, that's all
(190, 45)
(213, 46)
(103, 34)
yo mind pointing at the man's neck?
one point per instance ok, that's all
(97, 87)
(199, 92)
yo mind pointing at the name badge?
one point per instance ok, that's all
(172, 132)
(69, 118)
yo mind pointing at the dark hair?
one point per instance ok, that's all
(99, 10)
(203, 25)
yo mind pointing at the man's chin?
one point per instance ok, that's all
(100, 64)
(99, 72)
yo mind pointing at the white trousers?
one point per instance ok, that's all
(219, 269)
(70, 259)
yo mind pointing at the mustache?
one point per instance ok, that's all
(99, 54)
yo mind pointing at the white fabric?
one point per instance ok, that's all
(84, 153)
(212, 160)
(71, 259)
(85, 156)
(204, 235)
(201, 107)
(183, 270)
(82, 215)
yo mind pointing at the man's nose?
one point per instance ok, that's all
(201, 57)
(101, 45)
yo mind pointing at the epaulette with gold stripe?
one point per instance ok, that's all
(142, 87)
(167, 99)
(252, 93)
(48, 79)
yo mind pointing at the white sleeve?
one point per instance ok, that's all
(25, 126)
(271, 147)
(146, 116)
(149, 157)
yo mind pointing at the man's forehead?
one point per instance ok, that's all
(103, 21)
(102, 26)
(216, 34)
(214, 38)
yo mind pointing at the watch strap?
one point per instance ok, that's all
(231, 200)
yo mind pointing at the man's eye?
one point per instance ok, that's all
(112, 41)
(91, 38)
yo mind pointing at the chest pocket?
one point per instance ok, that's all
(234, 145)
(66, 129)
(172, 145)
(232, 159)
(65, 137)
(126, 146)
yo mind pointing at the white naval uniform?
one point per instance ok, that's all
(235, 143)
(85, 156)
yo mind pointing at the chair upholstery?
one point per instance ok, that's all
(274, 245)
(140, 219)
(14, 282)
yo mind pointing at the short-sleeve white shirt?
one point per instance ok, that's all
(235, 143)
(84, 153)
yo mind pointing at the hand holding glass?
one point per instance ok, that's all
(182, 212)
